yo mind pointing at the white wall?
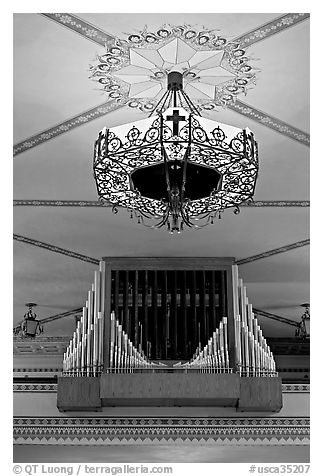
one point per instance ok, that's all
(44, 404)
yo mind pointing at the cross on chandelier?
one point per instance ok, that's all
(176, 118)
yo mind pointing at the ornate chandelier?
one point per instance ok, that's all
(175, 168)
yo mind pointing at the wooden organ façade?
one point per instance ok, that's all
(168, 331)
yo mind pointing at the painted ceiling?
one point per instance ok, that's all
(77, 73)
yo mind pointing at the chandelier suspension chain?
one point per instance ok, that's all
(165, 97)
(187, 153)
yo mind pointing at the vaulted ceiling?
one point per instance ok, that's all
(60, 229)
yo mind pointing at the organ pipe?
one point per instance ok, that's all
(213, 357)
(253, 355)
(84, 354)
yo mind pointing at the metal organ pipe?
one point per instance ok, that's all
(124, 357)
(214, 357)
(84, 354)
(253, 355)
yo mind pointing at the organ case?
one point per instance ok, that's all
(151, 318)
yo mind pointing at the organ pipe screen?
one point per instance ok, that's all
(178, 315)
(168, 314)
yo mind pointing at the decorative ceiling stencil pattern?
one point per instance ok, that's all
(137, 68)
(214, 69)
(103, 109)
(275, 317)
(80, 26)
(94, 203)
(55, 317)
(72, 254)
(276, 251)
(271, 28)
(55, 249)
(67, 125)
(269, 121)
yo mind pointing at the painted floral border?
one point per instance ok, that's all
(66, 126)
(270, 121)
(271, 28)
(275, 251)
(88, 259)
(55, 249)
(95, 203)
(84, 28)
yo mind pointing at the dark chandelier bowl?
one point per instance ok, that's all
(175, 168)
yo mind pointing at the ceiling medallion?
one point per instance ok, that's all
(175, 168)
(135, 70)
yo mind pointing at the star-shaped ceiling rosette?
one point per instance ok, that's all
(135, 70)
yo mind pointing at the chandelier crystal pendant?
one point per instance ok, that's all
(175, 168)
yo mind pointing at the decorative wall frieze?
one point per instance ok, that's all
(52, 388)
(95, 203)
(271, 28)
(288, 345)
(55, 249)
(35, 372)
(82, 27)
(270, 121)
(38, 369)
(107, 430)
(266, 254)
(294, 370)
(296, 388)
(28, 346)
(35, 387)
(86, 440)
(66, 126)
(44, 339)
